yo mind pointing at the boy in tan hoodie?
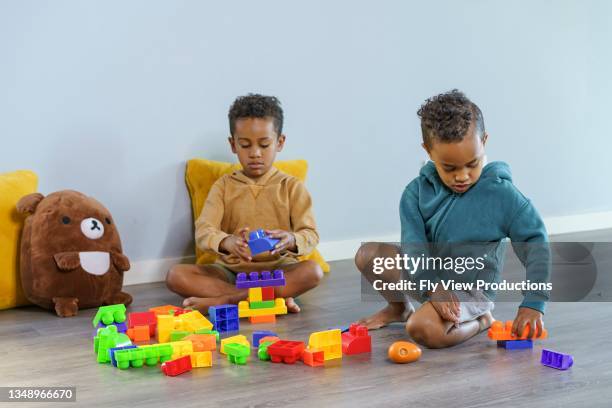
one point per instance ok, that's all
(257, 197)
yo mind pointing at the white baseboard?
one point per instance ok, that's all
(155, 270)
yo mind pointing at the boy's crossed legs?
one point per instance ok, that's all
(206, 285)
(425, 325)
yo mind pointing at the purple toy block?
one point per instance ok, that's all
(112, 353)
(556, 360)
(258, 335)
(260, 242)
(257, 280)
(121, 327)
(515, 344)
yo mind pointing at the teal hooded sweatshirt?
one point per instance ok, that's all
(491, 211)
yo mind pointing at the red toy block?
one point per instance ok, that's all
(176, 367)
(267, 293)
(143, 319)
(313, 357)
(262, 319)
(500, 331)
(139, 333)
(356, 340)
(286, 351)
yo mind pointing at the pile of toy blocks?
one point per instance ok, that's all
(502, 333)
(185, 338)
(261, 306)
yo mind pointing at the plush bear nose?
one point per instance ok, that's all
(92, 228)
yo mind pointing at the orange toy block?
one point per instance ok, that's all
(139, 333)
(262, 319)
(163, 310)
(500, 331)
(202, 342)
(313, 357)
(271, 339)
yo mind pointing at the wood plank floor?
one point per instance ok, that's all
(39, 349)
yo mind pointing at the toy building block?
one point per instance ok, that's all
(356, 340)
(201, 359)
(245, 311)
(286, 351)
(192, 321)
(269, 339)
(237, 353)
(501, 331)
(260, 242)
(176, 367)
(240, 339)
(121, 327)
(154, 353)
(110, 314)
(107, 339)
(313, 357)
(258, 335)
(267, 293)
(515, 344)
(266, 304)
(262, 351)
(260, 280)
(556, 360)
(255, 295)
(342, 328)
(202, 342)
(177, 335)
(330, 341)
(204, 331)
(139, 333)
(224, 318)
(163, 310)
(262, 319)
(181, 348)
(178, 311)
(111, 353)
(143, 319)
(165, 325)
(130, 358)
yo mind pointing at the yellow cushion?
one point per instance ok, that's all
(200, 175)
(13, 186)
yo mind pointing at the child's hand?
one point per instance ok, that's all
(531, 317)
(237, 245)
(287, 240)
(446, 304)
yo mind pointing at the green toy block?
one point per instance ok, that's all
(237, 353)
(207, 331)
(177, 335)
(130, 358)
(262, 351)
(106, 339)
(263, 304)
(110, 314)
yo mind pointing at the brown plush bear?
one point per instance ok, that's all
(71, 253)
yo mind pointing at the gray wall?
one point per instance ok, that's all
(112, 97)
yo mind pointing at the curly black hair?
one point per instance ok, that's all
(448, 116)
(256, 106)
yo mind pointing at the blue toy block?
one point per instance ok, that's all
(556, 360)
(515, 344)
(260, 242)
(111, 352)
(258, 335)
(260, 280)
(224, 318)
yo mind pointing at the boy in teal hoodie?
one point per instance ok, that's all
(459, 198)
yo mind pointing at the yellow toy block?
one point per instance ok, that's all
(201, 359)
(165, 324)
(192, 321)
(181, 348)
(255, 295)
(330, 341)
(240, 339)
(279, 308)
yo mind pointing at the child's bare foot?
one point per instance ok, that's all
(393, 312)
(292, 307)
(202, 304)
(485, 321)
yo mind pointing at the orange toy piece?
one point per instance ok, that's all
(313, 357)
(262, 319)
(139, 333)
(271, 339)
(202, 342)
(164, 310)
(404, 352)
(500, 331)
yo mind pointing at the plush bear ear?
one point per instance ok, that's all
(27, 204)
